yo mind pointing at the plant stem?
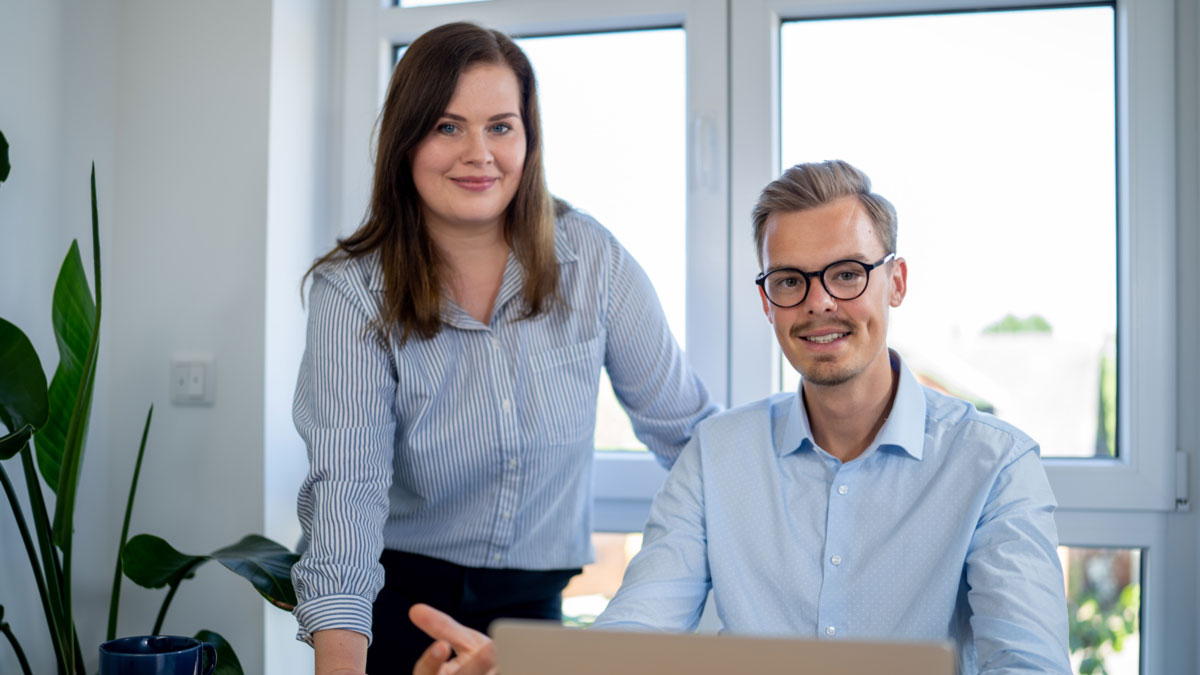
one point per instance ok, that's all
(115, 597)
(162, 612)
(53, 571)
(33, 562)
(7, 631)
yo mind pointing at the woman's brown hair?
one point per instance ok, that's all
(421, 87)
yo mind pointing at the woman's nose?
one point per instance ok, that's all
(476, 149)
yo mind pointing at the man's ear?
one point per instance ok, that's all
(899, 281)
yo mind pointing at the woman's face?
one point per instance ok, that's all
(467, 168)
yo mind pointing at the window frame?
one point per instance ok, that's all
(1140, 478)
(733, 150)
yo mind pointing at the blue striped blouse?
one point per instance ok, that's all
(476, 446)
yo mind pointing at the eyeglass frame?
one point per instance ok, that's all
(820, 274)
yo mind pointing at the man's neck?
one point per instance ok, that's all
(845, 418)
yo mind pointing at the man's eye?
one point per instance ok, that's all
(787, 283)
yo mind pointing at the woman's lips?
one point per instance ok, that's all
(475, 183)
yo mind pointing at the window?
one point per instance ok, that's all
(985, 151)
(591, 130)
(747, 90)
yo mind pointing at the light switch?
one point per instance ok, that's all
(192, 379)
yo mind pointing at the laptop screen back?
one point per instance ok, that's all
(543, 648)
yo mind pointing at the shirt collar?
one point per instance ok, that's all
(904, 429)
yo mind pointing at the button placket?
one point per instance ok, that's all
(508, 448)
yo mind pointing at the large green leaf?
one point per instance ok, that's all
(151, 562)
(72, 451)
(5, 167)
(23, 398)
(13, 443)
(227, 661)
(74, 315)
(265, 564)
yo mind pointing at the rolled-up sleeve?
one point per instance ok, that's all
(662, 395)
(344, 411)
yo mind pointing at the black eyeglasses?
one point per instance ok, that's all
(843, 280)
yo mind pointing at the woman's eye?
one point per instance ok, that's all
(446, 128)
(501, 128)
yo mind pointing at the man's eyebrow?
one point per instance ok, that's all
(859, 257)
(493, 118)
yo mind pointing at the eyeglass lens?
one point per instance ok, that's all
(844, 280)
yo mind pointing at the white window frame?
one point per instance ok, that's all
(624, 482)
(1141, 477)
(733, 139)
(1119, 503)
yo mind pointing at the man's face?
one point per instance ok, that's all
(829, 341)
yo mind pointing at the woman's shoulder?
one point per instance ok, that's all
(581, 233)
(352, 272)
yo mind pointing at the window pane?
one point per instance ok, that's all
(1104, 599)
(614, 118)
(993, 135)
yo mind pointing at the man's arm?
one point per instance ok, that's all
(667, 582)
(1015, 580)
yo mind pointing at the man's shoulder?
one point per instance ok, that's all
(760, 415)
(952, 423)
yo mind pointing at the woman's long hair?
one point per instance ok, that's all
(421, 87)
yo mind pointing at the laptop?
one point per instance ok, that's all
(544, 648)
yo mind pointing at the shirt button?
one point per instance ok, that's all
(842, 489)
(506, 404)
(836, 560)
(512, 463)
(496, 557)
(496, 343)
(830, 631)
(506, 515)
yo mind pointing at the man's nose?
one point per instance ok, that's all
(819, 299)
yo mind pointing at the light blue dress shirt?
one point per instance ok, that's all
(475, 446)
(942, 529)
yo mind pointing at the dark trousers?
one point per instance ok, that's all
(473, 596)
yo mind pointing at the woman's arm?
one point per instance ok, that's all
(663, 396)
(344, 411)
(340, 652)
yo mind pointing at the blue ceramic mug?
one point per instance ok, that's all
(157, 655)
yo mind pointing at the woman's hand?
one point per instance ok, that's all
(474, 655)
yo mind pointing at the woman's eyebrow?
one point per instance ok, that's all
(493, 118)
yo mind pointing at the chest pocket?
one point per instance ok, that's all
(564, 384)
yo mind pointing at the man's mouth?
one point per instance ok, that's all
(824, 339)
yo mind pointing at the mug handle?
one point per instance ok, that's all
(212, 656)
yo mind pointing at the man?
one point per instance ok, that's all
(863, 506)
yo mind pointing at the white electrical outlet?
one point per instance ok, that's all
(192, 379)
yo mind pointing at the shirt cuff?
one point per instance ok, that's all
(348, 612)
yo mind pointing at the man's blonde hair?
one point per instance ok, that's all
(807, 186)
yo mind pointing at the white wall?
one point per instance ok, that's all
(57, 109)
(172, 100)
(298, 219)
(187, 257)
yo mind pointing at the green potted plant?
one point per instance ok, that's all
(46, 433)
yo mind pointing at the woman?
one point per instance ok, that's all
(448, 389)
